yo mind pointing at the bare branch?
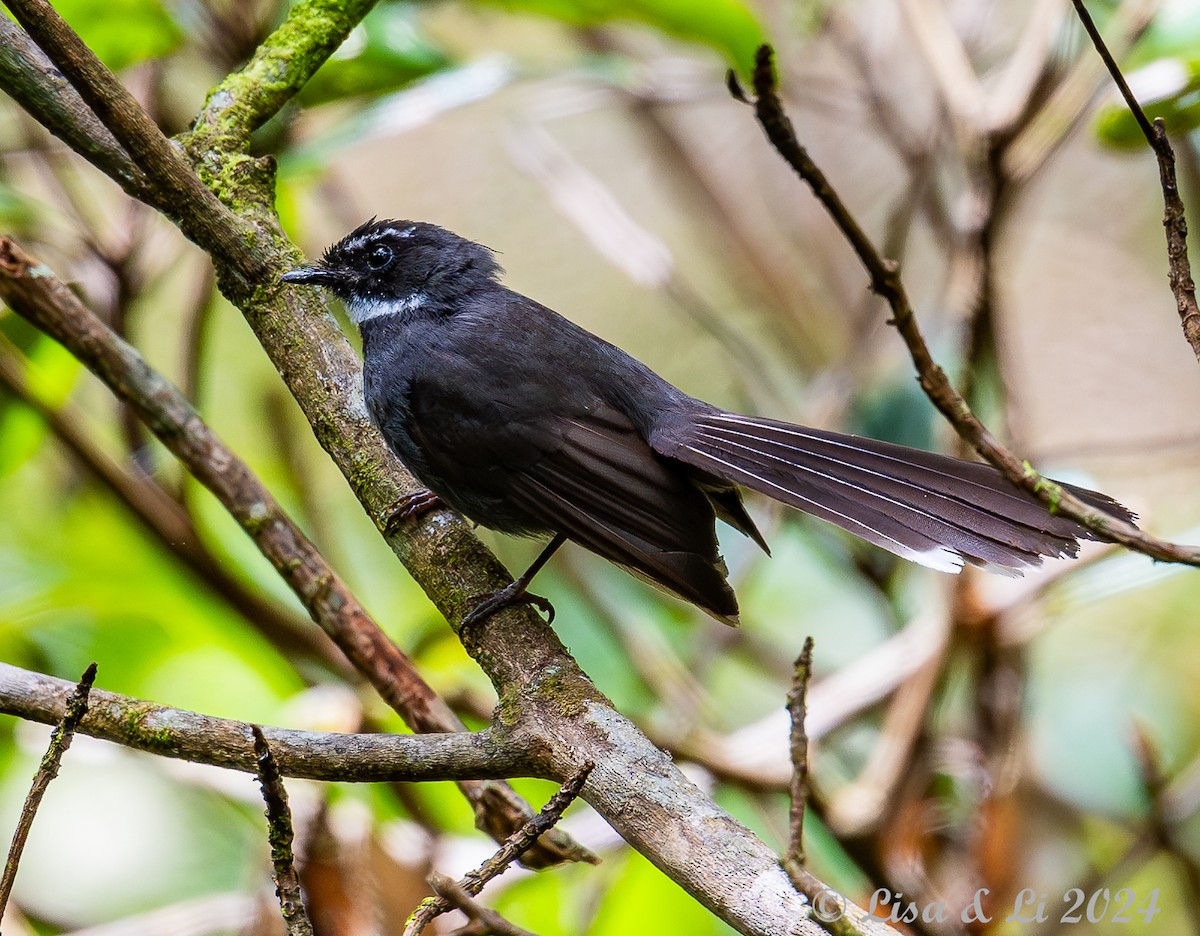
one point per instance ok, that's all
(163, 164)
(32, 81)
(60, 740)
(279, 68)
(486, 919)
(354, 758)
(835, 913)
(797, 709)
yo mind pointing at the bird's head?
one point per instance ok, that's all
(396, 267)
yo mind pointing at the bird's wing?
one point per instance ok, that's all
(591, 475)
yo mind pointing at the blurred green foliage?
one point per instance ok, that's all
(123, 32)
(729, 26)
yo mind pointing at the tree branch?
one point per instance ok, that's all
(513, 848)
(201, 739)
(798, 710)
(280, 67)
(885, 281)
(280, 836)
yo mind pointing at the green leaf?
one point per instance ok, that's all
(51, 375)
(728, 26)
(1163, 72)
(122, 32)
(17, 210)
(384, 53)
(1173, 94)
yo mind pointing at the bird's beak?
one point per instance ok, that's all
(312, 276)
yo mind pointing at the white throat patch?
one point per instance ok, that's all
(363, 310)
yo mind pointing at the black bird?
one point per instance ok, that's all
(525, 423)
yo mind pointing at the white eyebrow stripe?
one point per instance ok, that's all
(356, 242)
(362, 240)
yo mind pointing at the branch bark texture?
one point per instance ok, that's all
(201, 739)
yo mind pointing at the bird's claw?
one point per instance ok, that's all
(508, 597)
(407, 507)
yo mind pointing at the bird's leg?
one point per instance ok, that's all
(516, 593)
(407, 507)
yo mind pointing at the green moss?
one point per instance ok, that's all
(134, 725)
(568, 691)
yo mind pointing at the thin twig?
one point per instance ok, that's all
(1174, 221)
(797, 708)
(35, 294)
(485, 919)
(516, 845)
(60, 740)
(280, 836)
(833, 911)
(885, 281)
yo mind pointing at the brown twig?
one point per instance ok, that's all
(833, 911)
(60, 740)
(513, 848)
(34, 293)
(886, 282)
(797, 709)
(280, 836)
(1174, 221)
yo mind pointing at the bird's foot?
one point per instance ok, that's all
(514, 594)
(407, 507)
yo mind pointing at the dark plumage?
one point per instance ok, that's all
(526, 423)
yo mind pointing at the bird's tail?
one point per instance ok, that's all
(932, 509)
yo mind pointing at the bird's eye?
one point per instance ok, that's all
(379, 257)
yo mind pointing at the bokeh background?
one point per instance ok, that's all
(968, 732)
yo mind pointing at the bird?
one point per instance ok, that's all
(526, 423)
